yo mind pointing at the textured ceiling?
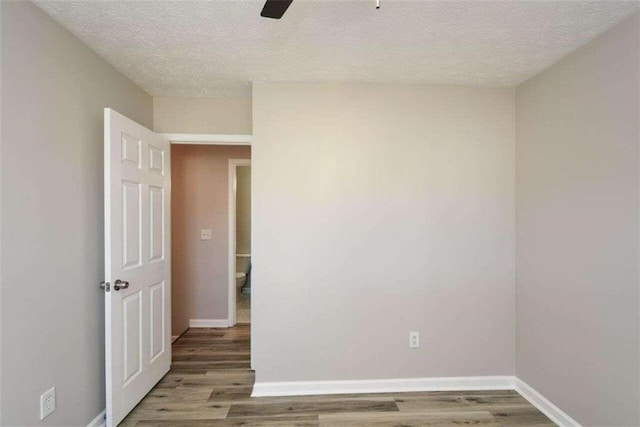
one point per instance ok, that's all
(209, 48)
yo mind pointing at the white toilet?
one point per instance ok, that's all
(243, 266)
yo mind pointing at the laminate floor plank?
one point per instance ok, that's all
(206, 357)
(461, 400)
(528, 416)
(198, 351)
(230, 395)
(222, 374)
(179, 411)
(311, 407)
(209, 381)
(208, 366)
(128, 422)
(284, 421)
(210, 385)
(415, 419)
(321, 398)
(177, 395)
(173, 380)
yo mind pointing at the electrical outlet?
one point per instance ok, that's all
(414, 339)
(47, 402)
(205, 234)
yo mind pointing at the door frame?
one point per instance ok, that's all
(220, 139)
(232, 190)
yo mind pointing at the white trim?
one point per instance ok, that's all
(545, 406)
(233, 165)
(394, 385)
(208, 139)
(100, 420)
(209, 323)
(243, 255)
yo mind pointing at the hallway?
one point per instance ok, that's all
(210, 384)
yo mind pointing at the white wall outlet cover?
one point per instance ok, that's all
(47, 402)
(414, 339)
(205, 234)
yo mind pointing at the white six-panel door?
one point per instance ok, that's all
(137, 262)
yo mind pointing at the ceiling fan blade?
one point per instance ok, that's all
(275, 8)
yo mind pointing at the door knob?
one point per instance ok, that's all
(120, 284)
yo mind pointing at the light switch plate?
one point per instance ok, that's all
(205, 234)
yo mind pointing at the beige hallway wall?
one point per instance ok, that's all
(54, 90)
(381, 209)
(199, 200)
(577, 187)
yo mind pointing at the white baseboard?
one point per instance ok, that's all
(100, 420)
(395, 385)
(208, 323)
(545, 406)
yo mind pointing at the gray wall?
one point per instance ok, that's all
(54, 89)
(380, 209)
(199, 199)
(577, 230)
(222, 115)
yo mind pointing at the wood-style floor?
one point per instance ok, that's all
(210, 384)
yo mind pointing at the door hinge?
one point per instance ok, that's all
(106, 286)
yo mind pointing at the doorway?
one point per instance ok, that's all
(156, 247)
(203, 235)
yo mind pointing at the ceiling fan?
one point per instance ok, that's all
(275, 8)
